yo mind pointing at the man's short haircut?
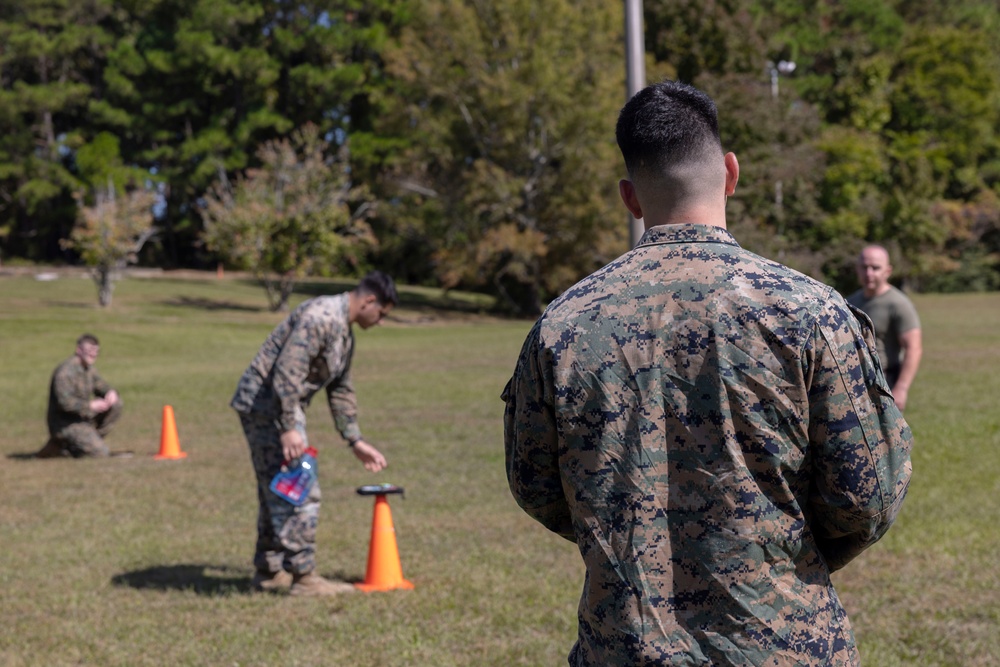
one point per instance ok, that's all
(381, 285)
(87, 338)
(667, 125)
(875, 246)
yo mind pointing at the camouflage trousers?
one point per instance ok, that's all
(286, 535)
(83, 438)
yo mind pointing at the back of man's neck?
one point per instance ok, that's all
(692, 216)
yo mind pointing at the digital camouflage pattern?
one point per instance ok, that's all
(309, 351)
(73, 426)
(715, 434)
(286, 534)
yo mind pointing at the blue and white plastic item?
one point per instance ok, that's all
(296, 478)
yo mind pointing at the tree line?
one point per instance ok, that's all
(469, 143)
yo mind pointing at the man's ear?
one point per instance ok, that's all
(626, 189)
(732, 173)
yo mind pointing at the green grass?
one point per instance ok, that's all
(144, 562)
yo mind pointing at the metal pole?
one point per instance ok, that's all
(635, 80)
(783, 67)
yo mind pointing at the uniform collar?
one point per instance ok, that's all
(686, 234)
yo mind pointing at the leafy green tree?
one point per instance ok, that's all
(192, 86)
(49, 57)
(485, 128)
(697, 37)
(969, 259)
(831, 43)
(855, 176)
(111, 228)
(512, 176)
(974, 14)
(298, 214)
(195, 84)
(945, 89)
(110, 233)
(99, 163)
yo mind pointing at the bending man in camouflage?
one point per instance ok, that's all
(309, 351)
(82, 407)
(711, 428)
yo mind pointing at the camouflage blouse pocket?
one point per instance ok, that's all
(873, 374)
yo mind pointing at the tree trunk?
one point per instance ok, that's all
(278, 291)
(521, 298)
(287, 286)
(104, 277)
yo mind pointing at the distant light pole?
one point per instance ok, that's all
(635, 80)
(782, 67)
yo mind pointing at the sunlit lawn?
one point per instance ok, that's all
(145, 562)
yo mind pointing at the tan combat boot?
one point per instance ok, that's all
(312, 584)
(271, 581)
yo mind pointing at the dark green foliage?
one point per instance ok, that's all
(508, 186)
(50, 54)
(185, 85)
(484, 130)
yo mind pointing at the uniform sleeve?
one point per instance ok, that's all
(291, 369)
(344, 407)
(71, 391)
(531, 440)
(101, 388)
(859, 441)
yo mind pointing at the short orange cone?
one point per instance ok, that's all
(385, 573)
(170, 446)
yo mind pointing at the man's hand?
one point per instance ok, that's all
(292, 445)
(99, 405)
(368, 455)
(899, 394)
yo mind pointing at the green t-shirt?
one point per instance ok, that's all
(892, 314)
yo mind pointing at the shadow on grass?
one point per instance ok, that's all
(209, 304)
(210, 580)
(422, 301)
(65, 456)
(426, 300)
(72, 304)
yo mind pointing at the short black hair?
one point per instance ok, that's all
(666, 124)
(87, 338)
(381, 285)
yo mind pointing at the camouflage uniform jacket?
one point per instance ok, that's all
(72, 388)
(310, 350)
(713, 431)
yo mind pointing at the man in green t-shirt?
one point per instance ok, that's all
(897, 326)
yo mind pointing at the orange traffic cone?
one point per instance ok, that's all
(170, 446)
(385, 572)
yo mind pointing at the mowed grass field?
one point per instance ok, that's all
(146, 562)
